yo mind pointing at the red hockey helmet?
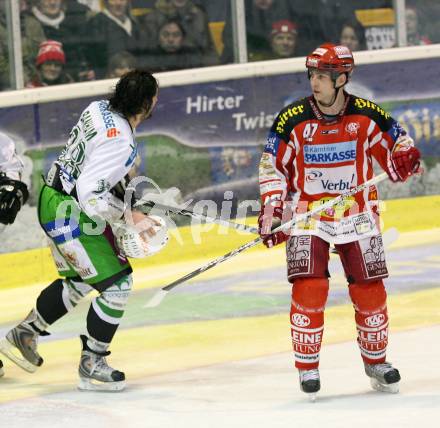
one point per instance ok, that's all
(330, 57)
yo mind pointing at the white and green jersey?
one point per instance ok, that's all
(100, 152)
(10, 164)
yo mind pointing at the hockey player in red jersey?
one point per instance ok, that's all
(318, 148)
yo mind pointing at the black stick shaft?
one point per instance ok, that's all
(284, 226)
(199, 216)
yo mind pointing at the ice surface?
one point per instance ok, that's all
(260, 392)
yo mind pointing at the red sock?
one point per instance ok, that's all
(309, 296)
(371, 317)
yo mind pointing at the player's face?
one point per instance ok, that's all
(149, 113)
(322, 86)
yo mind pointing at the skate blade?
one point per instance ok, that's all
(13, 353)
(312, 396)
(392, 388)
(86, 384)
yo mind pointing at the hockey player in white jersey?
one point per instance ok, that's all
(13, 192)
(84, 192)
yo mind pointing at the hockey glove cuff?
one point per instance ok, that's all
(405, 159)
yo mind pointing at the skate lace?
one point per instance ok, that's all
(309, 375)
(381, 368)
(100, 365)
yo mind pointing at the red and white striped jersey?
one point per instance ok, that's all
(310, 158)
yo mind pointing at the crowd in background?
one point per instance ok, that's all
(78, 40)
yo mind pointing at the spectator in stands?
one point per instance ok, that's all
(171, 52)
(319, 21)
(111, 31)
(283, 39)
(50, 66)
(377, 17)
(260, 15)
(192, 19)
(65, 21)
(24, 5)
(428, 12)
(32, 35)
(353, 36)
(120, 63)
(413, 35)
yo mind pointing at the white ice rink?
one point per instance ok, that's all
(260, 392)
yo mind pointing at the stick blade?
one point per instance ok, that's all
(390, 236)
(157, 298)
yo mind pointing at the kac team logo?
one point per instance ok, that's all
(375, 320)
(300, 320)
(352, 128)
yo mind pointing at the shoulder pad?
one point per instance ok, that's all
(290, 116)
(375, 112)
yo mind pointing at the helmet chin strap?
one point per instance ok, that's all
(335, 96)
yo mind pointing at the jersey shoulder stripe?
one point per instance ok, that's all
(290, 116)
(363, 107)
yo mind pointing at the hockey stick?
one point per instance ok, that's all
(160, 295)
(198, 216)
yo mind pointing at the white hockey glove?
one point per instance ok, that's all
(143, 239)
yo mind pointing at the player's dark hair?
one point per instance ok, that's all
(134, 93)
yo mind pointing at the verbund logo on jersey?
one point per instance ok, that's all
(330, 153)
(329, 180)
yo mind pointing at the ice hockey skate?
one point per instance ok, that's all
(309, 382)
(383, 377)
(94, 372)
(2, 372)
(20, 344)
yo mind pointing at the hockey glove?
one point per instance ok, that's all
(13, 194)
(405, 158)
(271, 217)
(144, 235)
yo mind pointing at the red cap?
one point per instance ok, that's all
(50, 50)
(283, 26)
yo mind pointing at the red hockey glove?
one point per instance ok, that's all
(271, 217)
(405, 158)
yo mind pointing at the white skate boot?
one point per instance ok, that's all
(94, 372)
(309, 382)
(20, 344)
(383, 377)
(2, 372)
